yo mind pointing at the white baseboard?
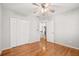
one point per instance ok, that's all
(66, 45)
(17, 46)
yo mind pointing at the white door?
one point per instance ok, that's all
(50, 31)
(34, 31)
(19, 31)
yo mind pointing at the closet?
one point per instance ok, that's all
(19, 30)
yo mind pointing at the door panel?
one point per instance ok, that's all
(19, 32)
(34, 31)
(50, 31)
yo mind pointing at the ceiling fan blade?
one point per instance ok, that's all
(35, 4)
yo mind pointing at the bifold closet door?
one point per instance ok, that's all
(19, 30)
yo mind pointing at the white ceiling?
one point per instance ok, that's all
(28, 8)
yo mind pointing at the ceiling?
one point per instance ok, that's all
(28, 8)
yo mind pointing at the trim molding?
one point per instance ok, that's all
(67, 45)
(17, 46)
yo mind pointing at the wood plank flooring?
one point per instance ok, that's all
(33, 49)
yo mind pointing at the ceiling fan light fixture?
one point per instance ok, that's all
(44, 8)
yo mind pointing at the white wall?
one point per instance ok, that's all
(33, 27)
(7, 14)
(0, 25)
(67, 28)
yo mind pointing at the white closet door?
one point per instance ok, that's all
(50, 31)
(13, 32)
(19, 32)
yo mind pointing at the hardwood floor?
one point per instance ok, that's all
(33, 49)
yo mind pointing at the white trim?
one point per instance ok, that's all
(63, 44)
(66, 45)
(17, 46)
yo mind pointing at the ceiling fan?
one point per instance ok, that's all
(43, 8)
